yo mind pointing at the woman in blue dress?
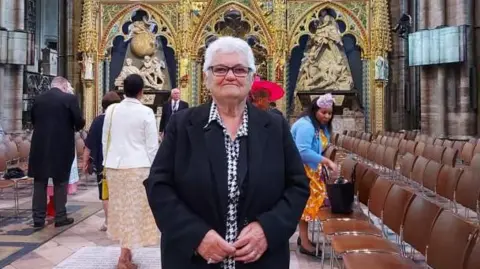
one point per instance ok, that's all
(311, 133)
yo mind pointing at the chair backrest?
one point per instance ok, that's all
(12, 150)
(466, 154)
(340, 140)
(468, 189)
(448, 143)
(476, 150)
(430, 140)
(458, 145)
(406, 164)
(420, 148)
(348, 143)
(395, 143)
(368, 137)
(356, 142)
(450, 241)
(378, 195)
(447, 181)
(396, 204)
(402, 147)
(390, 158)
(428, 151)
(450, 156)
(418, 223)
(348, 166)
(330, 153)
(475, 164)
(3, 163)
(438, 142)
(80, 146)
(380, 154)
(473, 258)
(372, 150)
(430, 175)
(438, 152)
(365, 184)
(24, 149)
(473, 140)
(383, 140)
(419, 169)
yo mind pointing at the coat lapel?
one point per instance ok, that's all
(258, 122)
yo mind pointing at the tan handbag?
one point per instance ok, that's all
(104, 181)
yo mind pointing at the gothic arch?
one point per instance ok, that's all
(359, 31)
(108, 36)
(200, 33)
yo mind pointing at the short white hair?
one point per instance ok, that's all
(229, 44)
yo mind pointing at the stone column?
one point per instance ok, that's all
(11, 82)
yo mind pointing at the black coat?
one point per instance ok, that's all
(167, 113)
(187, 187)
(55, 116)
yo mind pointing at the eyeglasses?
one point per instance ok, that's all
(238, 71)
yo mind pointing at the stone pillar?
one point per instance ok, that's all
(11, 74)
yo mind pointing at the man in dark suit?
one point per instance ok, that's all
(173, 105)
(56, 115)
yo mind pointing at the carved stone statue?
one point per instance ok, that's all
(152, 72)
(325, 65)
(127, 70)
(87, 64)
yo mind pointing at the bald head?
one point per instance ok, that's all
(61, 83)
(175, 94)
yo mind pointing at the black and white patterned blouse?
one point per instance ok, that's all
(232, 148)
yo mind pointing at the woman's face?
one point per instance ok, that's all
(229, 77)
(324, 115)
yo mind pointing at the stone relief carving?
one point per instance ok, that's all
(152, 72)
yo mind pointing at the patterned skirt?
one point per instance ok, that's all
(130, 219)
(318, 194)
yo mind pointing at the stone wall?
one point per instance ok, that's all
(446, 107)
(12, 14)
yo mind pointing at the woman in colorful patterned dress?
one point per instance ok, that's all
(312, 134)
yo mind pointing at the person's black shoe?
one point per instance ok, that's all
(299, 242)
(38, 225)
(310, 253)
(65, 222)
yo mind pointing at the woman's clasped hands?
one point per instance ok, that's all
(249, 247)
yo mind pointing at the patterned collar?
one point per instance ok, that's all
(215, 116)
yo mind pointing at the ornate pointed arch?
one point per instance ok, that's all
(205, 27)
(353, 24)
(116, 20)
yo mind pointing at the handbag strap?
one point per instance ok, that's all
(325, 172)
(109, 134)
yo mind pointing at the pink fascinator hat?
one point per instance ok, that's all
(326, 101)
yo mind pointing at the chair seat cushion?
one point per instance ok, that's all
(344, 243)
(377, 261)
(325, 214)
(341, 225)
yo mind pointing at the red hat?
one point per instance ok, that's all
(276, 92)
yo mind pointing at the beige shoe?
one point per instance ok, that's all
(103, 228)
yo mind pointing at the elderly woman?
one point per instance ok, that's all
(312, 135)
(227, 187)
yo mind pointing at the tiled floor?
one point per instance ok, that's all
(86, 234)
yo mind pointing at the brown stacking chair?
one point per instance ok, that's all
(383, 140)
(390, 159)
(396, 203)
(430, 175)
(450, 156)
(330, 153)
(376, 201)
(420, 148)
(402, 147)
(438, 152)
(377, 260)
(356, 142)
(466, 154)
(395, 143)
(458, 145)
(339, 141)
(447, 182)
(473, 258)
(448, 143)
(388, 142)
(450, 241)
(430, 140)
(380, 154)
(477, 148)
(368, 137)
(406, 165)
(419, 219)
(428, 151)
(419, 170)
(411, 146)
(372, 150)
(363, 149)
(438, 142)
(475, 165)
(468, 190)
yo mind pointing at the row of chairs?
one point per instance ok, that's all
(445, 240)
(433, 173)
